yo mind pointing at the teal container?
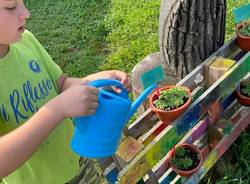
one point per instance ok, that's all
(98, 135)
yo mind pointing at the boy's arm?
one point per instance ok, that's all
(65, 82)
(18, 146)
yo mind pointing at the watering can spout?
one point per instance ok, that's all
(140, 99)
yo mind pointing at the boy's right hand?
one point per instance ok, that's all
(77, 100)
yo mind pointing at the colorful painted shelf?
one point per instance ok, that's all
(212, 122)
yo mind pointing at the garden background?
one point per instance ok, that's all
(87, 36)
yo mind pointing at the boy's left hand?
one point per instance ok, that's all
(112, 74)
(123, 77)
(65, 82)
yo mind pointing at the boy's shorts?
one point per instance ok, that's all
(87, 173)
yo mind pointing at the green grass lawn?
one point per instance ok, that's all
(72, 32)
(90, 35)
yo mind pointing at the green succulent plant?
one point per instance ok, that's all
(179, 151)
(245, 88)
(181, 160)
(182, 163)
(245, 30)
(171, 98)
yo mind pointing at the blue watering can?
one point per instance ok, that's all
(98, 135)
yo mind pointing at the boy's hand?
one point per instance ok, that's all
(112, 74)
(121, 76)
(65, 82)
(77, 100)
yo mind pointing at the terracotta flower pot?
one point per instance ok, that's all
(242, 99)
(187, 173)
(168, 116)
(243, 41)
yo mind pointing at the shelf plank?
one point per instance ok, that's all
(229, 50)
(160, 146)
(196, 133)
(241, 120)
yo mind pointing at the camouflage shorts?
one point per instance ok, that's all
(87, 173)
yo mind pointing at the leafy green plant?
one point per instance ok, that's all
(245, 30)
(245, 87)
(181, 159)
(171, 98)
(179, 151)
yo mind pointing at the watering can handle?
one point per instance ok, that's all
(109, 82)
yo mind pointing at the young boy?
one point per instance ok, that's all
(36, 101)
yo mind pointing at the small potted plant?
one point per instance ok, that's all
(243, 92)
(186, 159)
(243, 35)
(170, 102)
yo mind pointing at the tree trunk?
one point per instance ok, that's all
(190, 31)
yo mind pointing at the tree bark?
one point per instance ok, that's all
(190, 31)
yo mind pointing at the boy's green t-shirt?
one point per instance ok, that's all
(28, 80)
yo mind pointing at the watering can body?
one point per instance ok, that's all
(98, 135)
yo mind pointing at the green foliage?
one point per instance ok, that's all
(171, 98)
(182, 163)
(179, 151)
(133, 32)
(245, 87)
(181, 160)
(245, 30)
